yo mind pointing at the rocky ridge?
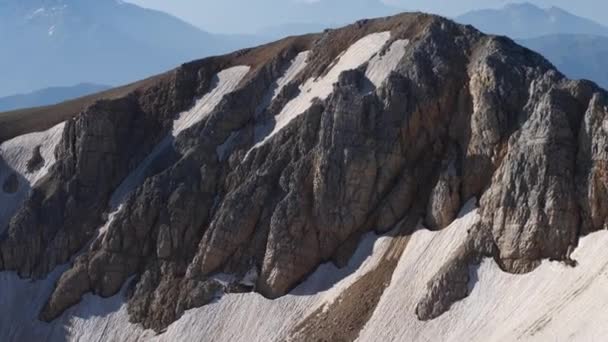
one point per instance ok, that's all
(460, 115)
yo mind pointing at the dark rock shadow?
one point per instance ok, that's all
(14, 189)
(473, 277)
(328, 274)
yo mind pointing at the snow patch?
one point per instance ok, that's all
(35, 13)
(295, 67)
(381, 65)
(552, 303)
(356, 55)
(18, 151)
(15, 154)
(223, 83)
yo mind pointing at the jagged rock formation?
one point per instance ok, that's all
(261, 165)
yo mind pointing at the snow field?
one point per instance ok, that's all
(223, 83)
(15, 154)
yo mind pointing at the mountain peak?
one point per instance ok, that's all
(321, 186)
(528, 6)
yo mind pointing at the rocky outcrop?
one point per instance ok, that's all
(36, 161)
(226, 208)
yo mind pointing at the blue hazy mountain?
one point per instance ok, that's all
(577, 46)
(48, 96)
(525, 20)
(64, 42)
(576, 55)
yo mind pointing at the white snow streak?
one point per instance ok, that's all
(223, 83)
(380, 66)
(296, 66)
(356, 55)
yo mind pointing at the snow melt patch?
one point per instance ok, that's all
(18, 151)
(93, 319)
(223, 83)
(14, 155)
(251, 317)
(356, 55)
(552, 303)
(295, 67)
(381, 65)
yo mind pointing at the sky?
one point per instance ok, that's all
(250, 16)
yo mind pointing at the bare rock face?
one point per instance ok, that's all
(591, 166)
(444, 201)
(460, 115)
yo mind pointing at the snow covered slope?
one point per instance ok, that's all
(549, 303)
(15, 155)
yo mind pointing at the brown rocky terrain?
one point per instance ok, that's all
(462, 115)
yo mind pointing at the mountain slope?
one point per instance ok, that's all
(48, 96)
(578, 56)
(386, 180)
(526, 20)
(65, 42)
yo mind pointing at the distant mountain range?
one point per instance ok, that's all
(302, 17)
(576, 55)
(58, 43)
(48, 96)
(49, 43)
(576, 46)
(525, 20)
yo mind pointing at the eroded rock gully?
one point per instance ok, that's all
(462, 115)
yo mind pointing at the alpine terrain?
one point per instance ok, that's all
(399, 179)
(577, 46)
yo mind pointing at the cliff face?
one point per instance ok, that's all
(246, 172)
